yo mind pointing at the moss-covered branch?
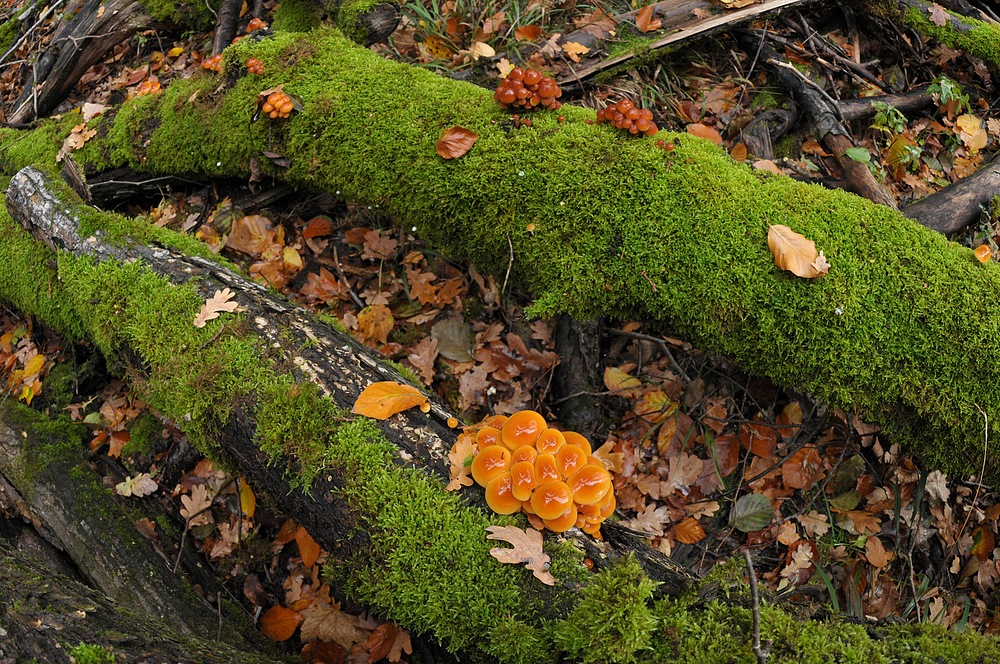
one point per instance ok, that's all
(897, 331)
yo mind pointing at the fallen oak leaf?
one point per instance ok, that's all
(386, 398)
(795, 253)
(574, 50)
(938, 15)
(527, 549)
(138, 486)
(221, 301)
(455, 142)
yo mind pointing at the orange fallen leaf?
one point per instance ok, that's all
(704, 131)
(384, 399)
(248, 501)
(574, 50)
(528, 32)
(455, 142)
(689, 531)
(308, 548)
(318, 226)
(279, 623)
(796, 254)
(875, 552)
(644, 20)
(739, 152)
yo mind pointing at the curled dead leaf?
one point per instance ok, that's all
(384, 399)
(795, 253)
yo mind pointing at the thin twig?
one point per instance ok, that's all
(663, 347)
(758, 649)
(510, 264)
(340, 270)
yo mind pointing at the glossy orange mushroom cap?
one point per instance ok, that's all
(489, 463)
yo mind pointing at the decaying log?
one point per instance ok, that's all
(864, 107)
(45, 615)
(59, 493)
(682, 21)
(76, 45)
(959, 204)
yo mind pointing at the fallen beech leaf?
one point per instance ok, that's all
(527, 33)
(308, 548)
(482, 50)
(221, 301)
(739, 152)
(384, 399)
(318, 226)
(704, 131)
(573, 50)
(982, 543)
(938, 15)
(616, 379)
(971, 132)
(802, 469)
(875, 552)
(279, 623)
(644, 20)
(455, 142)
(527, 549)
(689, 531)
(767, 165)
(375, 323)
(248, 501)
(324, 622)
(795, 253)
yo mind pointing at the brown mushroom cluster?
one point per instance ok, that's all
(277, 105)
(527, 89)
(625, 115)
(550, 474)
(255, 66)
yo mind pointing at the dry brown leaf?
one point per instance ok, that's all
(388, 642)
(787, 534)
(689, 531)
(251, 234)
(644, 20)
(573, 50)
(704, 131)
(814, 523)
(527, 549)
(794, 253)
(618, 380)
(384, 399)
(324, 622)
(455, 142)
(279, 623)
(221, 301)
(685, 469)
(527, 33)
(739, 152)
(802, 469)
(460, 456)
(308, 548)
(876, 554)
(938, 15)
(375, 323)
(612, 460)
(422, 358)
(195, 504)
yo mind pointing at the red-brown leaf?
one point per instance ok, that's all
(308, 548)
(644, 20)
(455, 142)
(279, 623)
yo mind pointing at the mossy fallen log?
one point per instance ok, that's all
(424, 559)
(900, 330)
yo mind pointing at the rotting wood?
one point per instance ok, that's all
(959, 204)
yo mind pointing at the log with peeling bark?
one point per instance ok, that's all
(53, 487)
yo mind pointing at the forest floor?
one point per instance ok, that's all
(854, 524)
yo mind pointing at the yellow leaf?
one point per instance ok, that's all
(385, 399)
(504, 67)
(795, 253)
(34, 365)
(574, 50)
(175, 51)
(971, 132)
(616, 379)
(482, 50)
(248, 501)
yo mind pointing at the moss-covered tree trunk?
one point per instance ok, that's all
(604, 224)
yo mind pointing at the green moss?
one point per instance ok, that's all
(144, 435)
(88, 654)
(59, 386)
(613, 621)
(514, 642)
(9, 31)
(297, 16)
(192, 14)
(980, 39)
(929, 644)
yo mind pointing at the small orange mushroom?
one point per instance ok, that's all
(495, 421)
(608, 505)
(546, 469)
(488, 436)
(522, 428)
(590, 484)
(524, 453)
(573, 438)
(593, 529)
(550, 440)
(522, 475)
(570, 459)
(489, 463)
(500, 495)
(562, 523)
(552, 500)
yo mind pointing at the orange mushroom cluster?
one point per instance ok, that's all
(527, 89)
(255, 66)
(213, 63)
(256, 24)
(550, 474)
(625, 115)
(277, 105)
